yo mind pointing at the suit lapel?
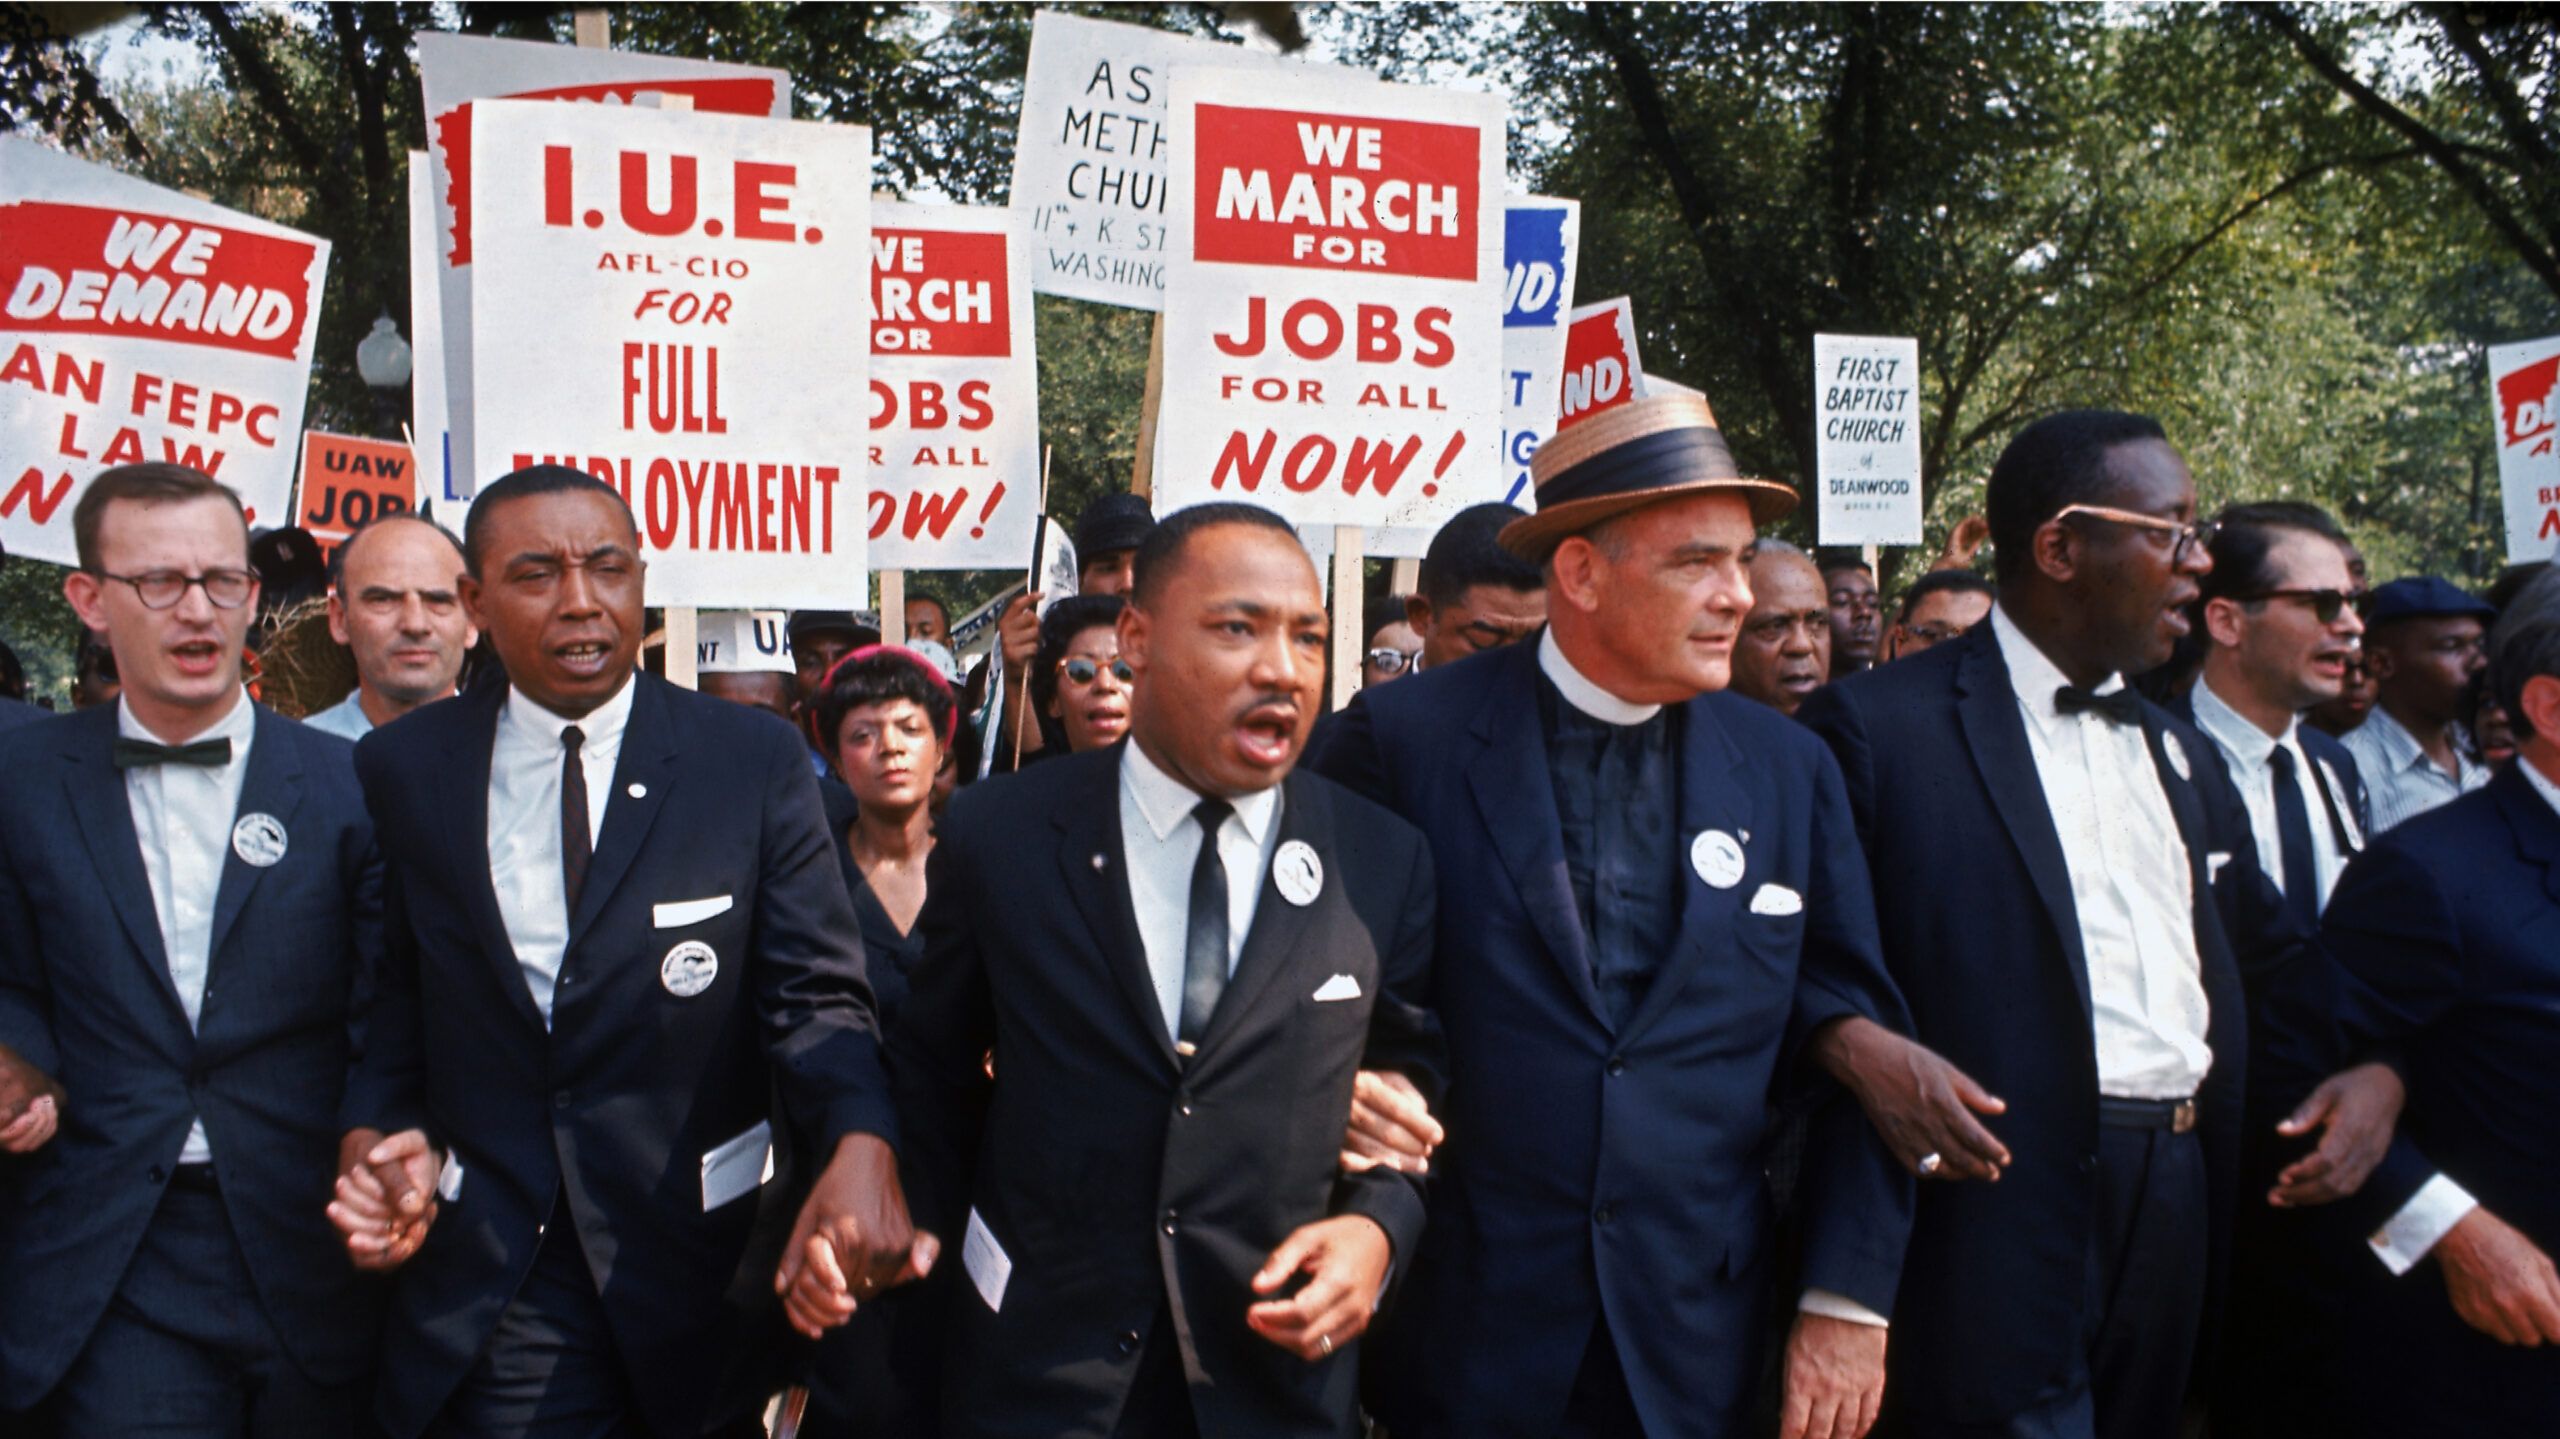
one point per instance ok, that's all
(2177, 780)
(95, 790)
(468, 751)
(642, 776)
(273, 786)
(1516, 796)
(2536, 826)
(1092, 863)
(1710, 799)
(1279, 927)
(1987, 709)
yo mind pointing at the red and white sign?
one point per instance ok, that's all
(348, 480)
(1333, 308)
(955, 389)
(139, 324)
(675, 303)
(454, 71)
(2524, 384)
(1601, 367)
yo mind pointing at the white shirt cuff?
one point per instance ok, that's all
(1840, 1306)
(2430, 1214)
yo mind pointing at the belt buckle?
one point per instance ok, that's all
(2182, 1117)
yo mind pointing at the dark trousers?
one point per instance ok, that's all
(550, 1370)
(1159, 1404)
(185, 1350)
(1601, 1406)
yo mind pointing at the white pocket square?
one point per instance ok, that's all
(1341, 986)
(677, 913)
(1776, 899)
(2213, 863)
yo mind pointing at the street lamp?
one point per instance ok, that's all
(382, 359)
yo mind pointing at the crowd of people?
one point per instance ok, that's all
(1687, 992)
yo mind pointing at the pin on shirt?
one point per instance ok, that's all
(1717, 857)
(1298, 873)
(258, 839)
(689, 969)
(2177, 755)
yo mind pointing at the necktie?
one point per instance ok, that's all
(1204, 939)
(577, 847)
(2121, 707)
(2293, 836)
(135, 753)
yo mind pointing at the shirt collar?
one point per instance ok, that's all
(1581, 693)
(2239, 735)
(602, 725)
(2035, 677)
(1164, 802)
(236, 726)
(2541, 782)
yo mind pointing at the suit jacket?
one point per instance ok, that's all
(712, 837)
(1131, 1188)
(1984, 940)
(86, 995)
(2450, 924)
(1594, 1173)
(14, 713)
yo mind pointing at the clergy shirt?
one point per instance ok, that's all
(182, 815)
(1617, 793)
(2130, 885)
(1160, 842)
(2249, 751)
(524, 824)
(2399, 780)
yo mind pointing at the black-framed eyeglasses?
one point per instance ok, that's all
(163, 589)
(1392, 661)
(2325, 605)
(2197, 535)
(1081, 671)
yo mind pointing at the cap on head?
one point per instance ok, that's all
(2424, 597)
(1658, 448)
(864, 628)
(1117, 521)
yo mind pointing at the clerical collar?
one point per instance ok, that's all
(1581, 693)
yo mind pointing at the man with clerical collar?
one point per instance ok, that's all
(1651, 901)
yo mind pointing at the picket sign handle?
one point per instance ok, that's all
(682, 622)
(1404, 577)
(1347, 555)
(893, 607)
(1142, 472)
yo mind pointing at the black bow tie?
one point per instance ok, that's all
(2123, 706)
(210, 753)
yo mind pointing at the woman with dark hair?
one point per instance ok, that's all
(1078, 680)
(883, 716)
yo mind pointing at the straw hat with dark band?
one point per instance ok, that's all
(1652, 449)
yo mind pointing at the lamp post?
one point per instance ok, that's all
(382, 359)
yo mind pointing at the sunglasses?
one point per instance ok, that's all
(2325, 605)
(2190, 537)
(1392, 662)
(1081, 671)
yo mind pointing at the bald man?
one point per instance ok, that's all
(1784, 651)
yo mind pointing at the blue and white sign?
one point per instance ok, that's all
(1539, 237)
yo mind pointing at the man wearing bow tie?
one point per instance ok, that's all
(189, 896)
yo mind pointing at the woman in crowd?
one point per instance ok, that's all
(1077, 678)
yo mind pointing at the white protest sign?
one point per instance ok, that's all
(1333, 306)
(1866, 405)
(139, 324)
(677, 303)
(1601, 367)
(454, 71)
(2525, 379)
(440, 481)
(955, 390)
(742, 642)
(1539, 239)
(1090, 152)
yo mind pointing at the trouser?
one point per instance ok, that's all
(1601, 1406)
(185, 1349)
(1159, 1405)
(549, 1370)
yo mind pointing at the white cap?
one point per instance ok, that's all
(742, 642)
(938, 656)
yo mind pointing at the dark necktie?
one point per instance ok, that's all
(2293, 836)
(1204, 938)
(136, 753)
(2123, 707)
(577, 848)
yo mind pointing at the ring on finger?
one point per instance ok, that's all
(1930, 1163)
(1325, 1343)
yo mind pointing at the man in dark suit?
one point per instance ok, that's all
(189, 896)
(14, 713)
(1651, 900)
(2450, 924)
(617, 937)
(2069, 893)
(1178, 954)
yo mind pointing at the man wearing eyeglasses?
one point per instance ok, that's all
(189, 891)
(394, 601)
(1939, 606)
(2424, 641)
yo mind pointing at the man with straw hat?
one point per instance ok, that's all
(1651, 900)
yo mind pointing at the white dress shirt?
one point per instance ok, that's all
(2249, 751)
(1160, 842)
(182, 815)
(2130, 884)
(524, 824)
(2399, 780)
(346, 719)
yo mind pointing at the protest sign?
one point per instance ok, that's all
(1539, 238)
(677, 304)
(139, 324)
(440, 486)
(742, 642)
(455, 71)
(955, 390)
(1601, 367)
(347, 480)
(1090, 153)
(1866, 403)
(1333, 304)
(2524, 378)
